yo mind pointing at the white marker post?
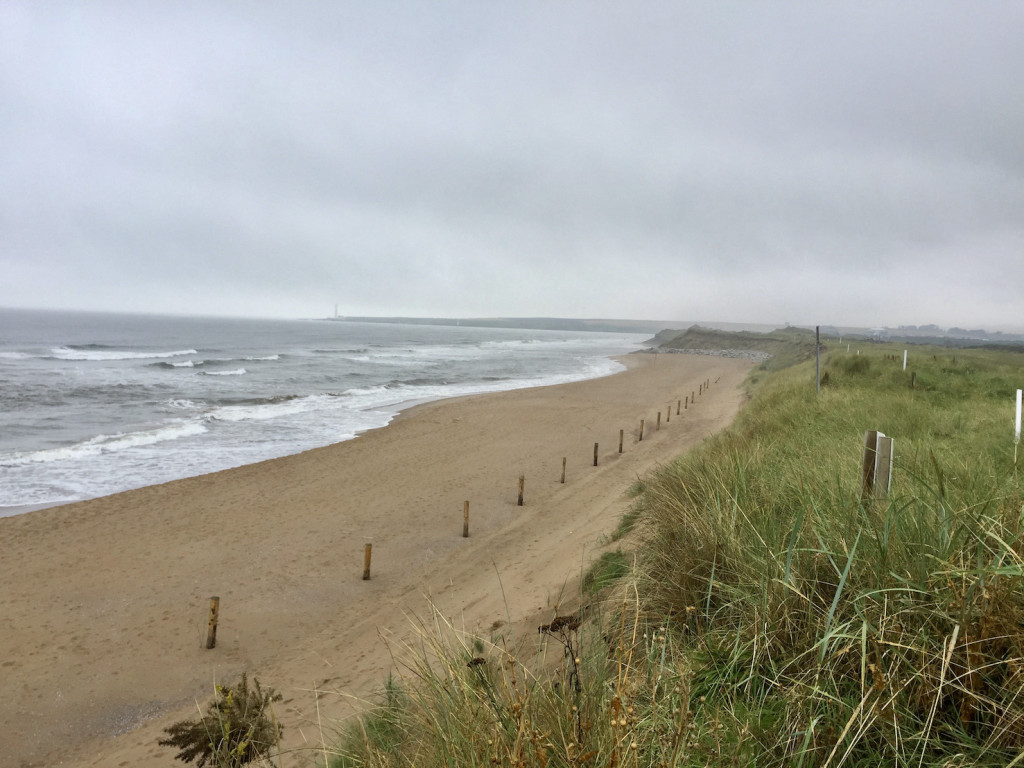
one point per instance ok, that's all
(904, 359)
(1016, 431)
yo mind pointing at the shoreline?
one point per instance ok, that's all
(12, 510)
(399, 408)
(105, 600)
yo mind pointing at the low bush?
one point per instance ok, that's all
(238, 727)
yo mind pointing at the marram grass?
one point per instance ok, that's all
(832, 631)
(774, 618)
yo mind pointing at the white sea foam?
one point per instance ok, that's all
(106, 444)
(384, 396)
(236, 372)
(98, 355)
(265, 411)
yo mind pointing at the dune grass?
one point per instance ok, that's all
(824, 630)
(774, 617)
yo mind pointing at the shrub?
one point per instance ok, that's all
(239, 727)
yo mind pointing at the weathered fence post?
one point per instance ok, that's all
(867, 471)
(817, 356)
(465, 520)
(1016, 430)
(563, 469)
(621, 433)
(211, 624)
(641, 431)
(367, 554)
(876, 468)
(595, 454)
(522, 482)
(883, 466)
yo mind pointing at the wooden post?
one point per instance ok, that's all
(563, 469)
(465, 519)
(1016, 428)
(657, 424)
(913, 379)
(668, 414)
(595, 454)
(883, 466)
(641, 431)
(686, 403)
(678, 404)
(876, 468)
(522, 482)
(693, 396)
(366, 561)
(867, 472)
(621, 432)
(817, 357)
(211, 625)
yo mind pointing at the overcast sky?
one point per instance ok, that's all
(855, 163)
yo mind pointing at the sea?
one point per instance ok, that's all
(93, 404)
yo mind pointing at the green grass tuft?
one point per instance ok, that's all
(606, 570)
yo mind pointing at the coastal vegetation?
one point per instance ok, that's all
(238, 728)
(759, 608)
(779, 349)
(774, 616)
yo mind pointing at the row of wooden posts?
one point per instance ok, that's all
(681, 404)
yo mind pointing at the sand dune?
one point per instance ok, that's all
(103, 609)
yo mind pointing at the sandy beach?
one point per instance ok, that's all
(104, 604)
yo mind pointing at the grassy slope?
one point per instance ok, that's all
(787, 346)
(775, 619)
(822, 630)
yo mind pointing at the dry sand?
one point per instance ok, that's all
(104, 602)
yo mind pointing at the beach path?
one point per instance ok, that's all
(103, 608)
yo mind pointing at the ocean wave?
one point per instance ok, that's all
(272, 408)
(396, 392)
(236, 372)
(171, 366)
(183, 404)
(106, 444)
(92, 353)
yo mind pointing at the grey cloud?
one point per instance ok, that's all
(500, 158)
